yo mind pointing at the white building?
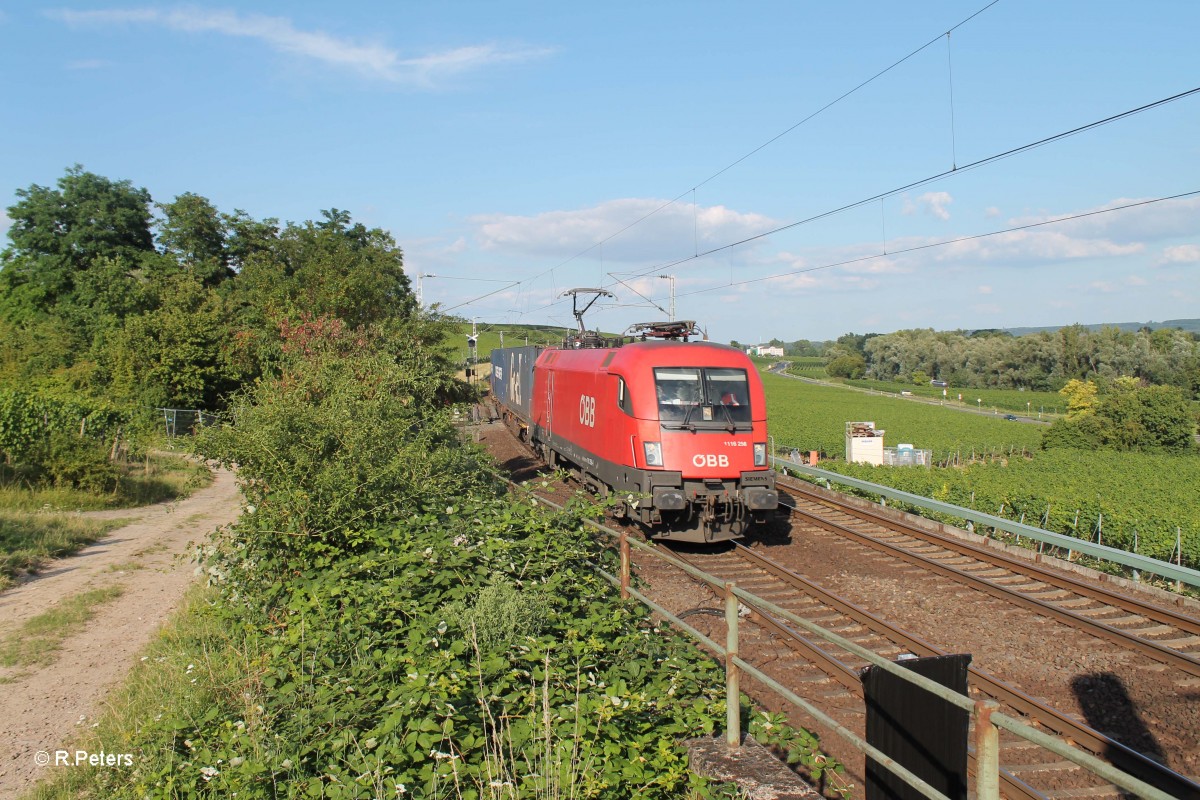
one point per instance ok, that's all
(764, 350)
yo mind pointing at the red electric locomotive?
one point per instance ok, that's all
(677, 429)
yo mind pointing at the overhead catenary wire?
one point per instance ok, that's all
(947, 242)
(750, 154)
(930, 179)
(987, 160)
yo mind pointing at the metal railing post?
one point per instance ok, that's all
(625, 559)
(733, 694)
(987, 751)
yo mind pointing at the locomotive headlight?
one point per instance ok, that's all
(760, 454)
(653, 451)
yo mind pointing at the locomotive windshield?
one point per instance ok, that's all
(713, 397)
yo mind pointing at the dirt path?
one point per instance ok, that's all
(40, 707)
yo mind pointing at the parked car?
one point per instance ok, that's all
(1011, 417)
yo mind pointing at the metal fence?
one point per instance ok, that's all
(185, 421)
(985, 713)
(1135, 562)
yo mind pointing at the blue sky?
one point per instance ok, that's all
(560, 145)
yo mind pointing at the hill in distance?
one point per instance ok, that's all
(1190, 325)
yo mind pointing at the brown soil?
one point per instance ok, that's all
(41, 708)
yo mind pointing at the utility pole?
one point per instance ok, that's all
(421, 276)
(472, 339)
(671, 278)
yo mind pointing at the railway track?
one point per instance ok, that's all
(1161, 634)
(817, 670)
(830, 675)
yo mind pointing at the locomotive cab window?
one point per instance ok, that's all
(710, 398)
(727, 388)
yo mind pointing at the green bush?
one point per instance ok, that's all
(76, 462)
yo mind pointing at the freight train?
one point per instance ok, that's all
(675, 429)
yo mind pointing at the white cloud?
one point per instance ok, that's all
(371, 60)
(1181, 254)
(633, 230)
(1136, 280)
(1166, 219)
(991, 211)
(5, 222)
(985, 290)
(934, 202)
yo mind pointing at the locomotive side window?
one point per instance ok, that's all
(623, 398)
(678, 390)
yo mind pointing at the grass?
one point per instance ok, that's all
(159, 478)
(1026, 403)
(28, 541)
(38, 641)
(814, 416)
(31, 533)
(195, 665)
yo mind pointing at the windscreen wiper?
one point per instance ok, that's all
(732, 426)
(684, 426)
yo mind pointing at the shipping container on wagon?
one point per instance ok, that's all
(512, 378)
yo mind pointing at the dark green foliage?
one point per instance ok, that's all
(57, 235)
(196, 235)
(418, 627)
(72, 461)
(1130, 417)
(1041, 361)
(847, 366)
(353, 430)
(89, 306)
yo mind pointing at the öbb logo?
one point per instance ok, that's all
(710, 460)
(587, 410)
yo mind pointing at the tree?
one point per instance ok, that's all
(171, 356)
(1080, 397)
(847, 366)
(194, 233)
(58, 234)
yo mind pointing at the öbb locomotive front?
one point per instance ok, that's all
(676, 430)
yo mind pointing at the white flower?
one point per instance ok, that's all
(287, 763)
(236, 761)
(209, 772)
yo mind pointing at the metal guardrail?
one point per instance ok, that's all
(985, 712)
(1134, 561)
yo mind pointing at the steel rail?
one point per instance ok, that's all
(1122, 757)
(1031, 569)
(1174, 658)
(993, 719)
(1135, 561)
